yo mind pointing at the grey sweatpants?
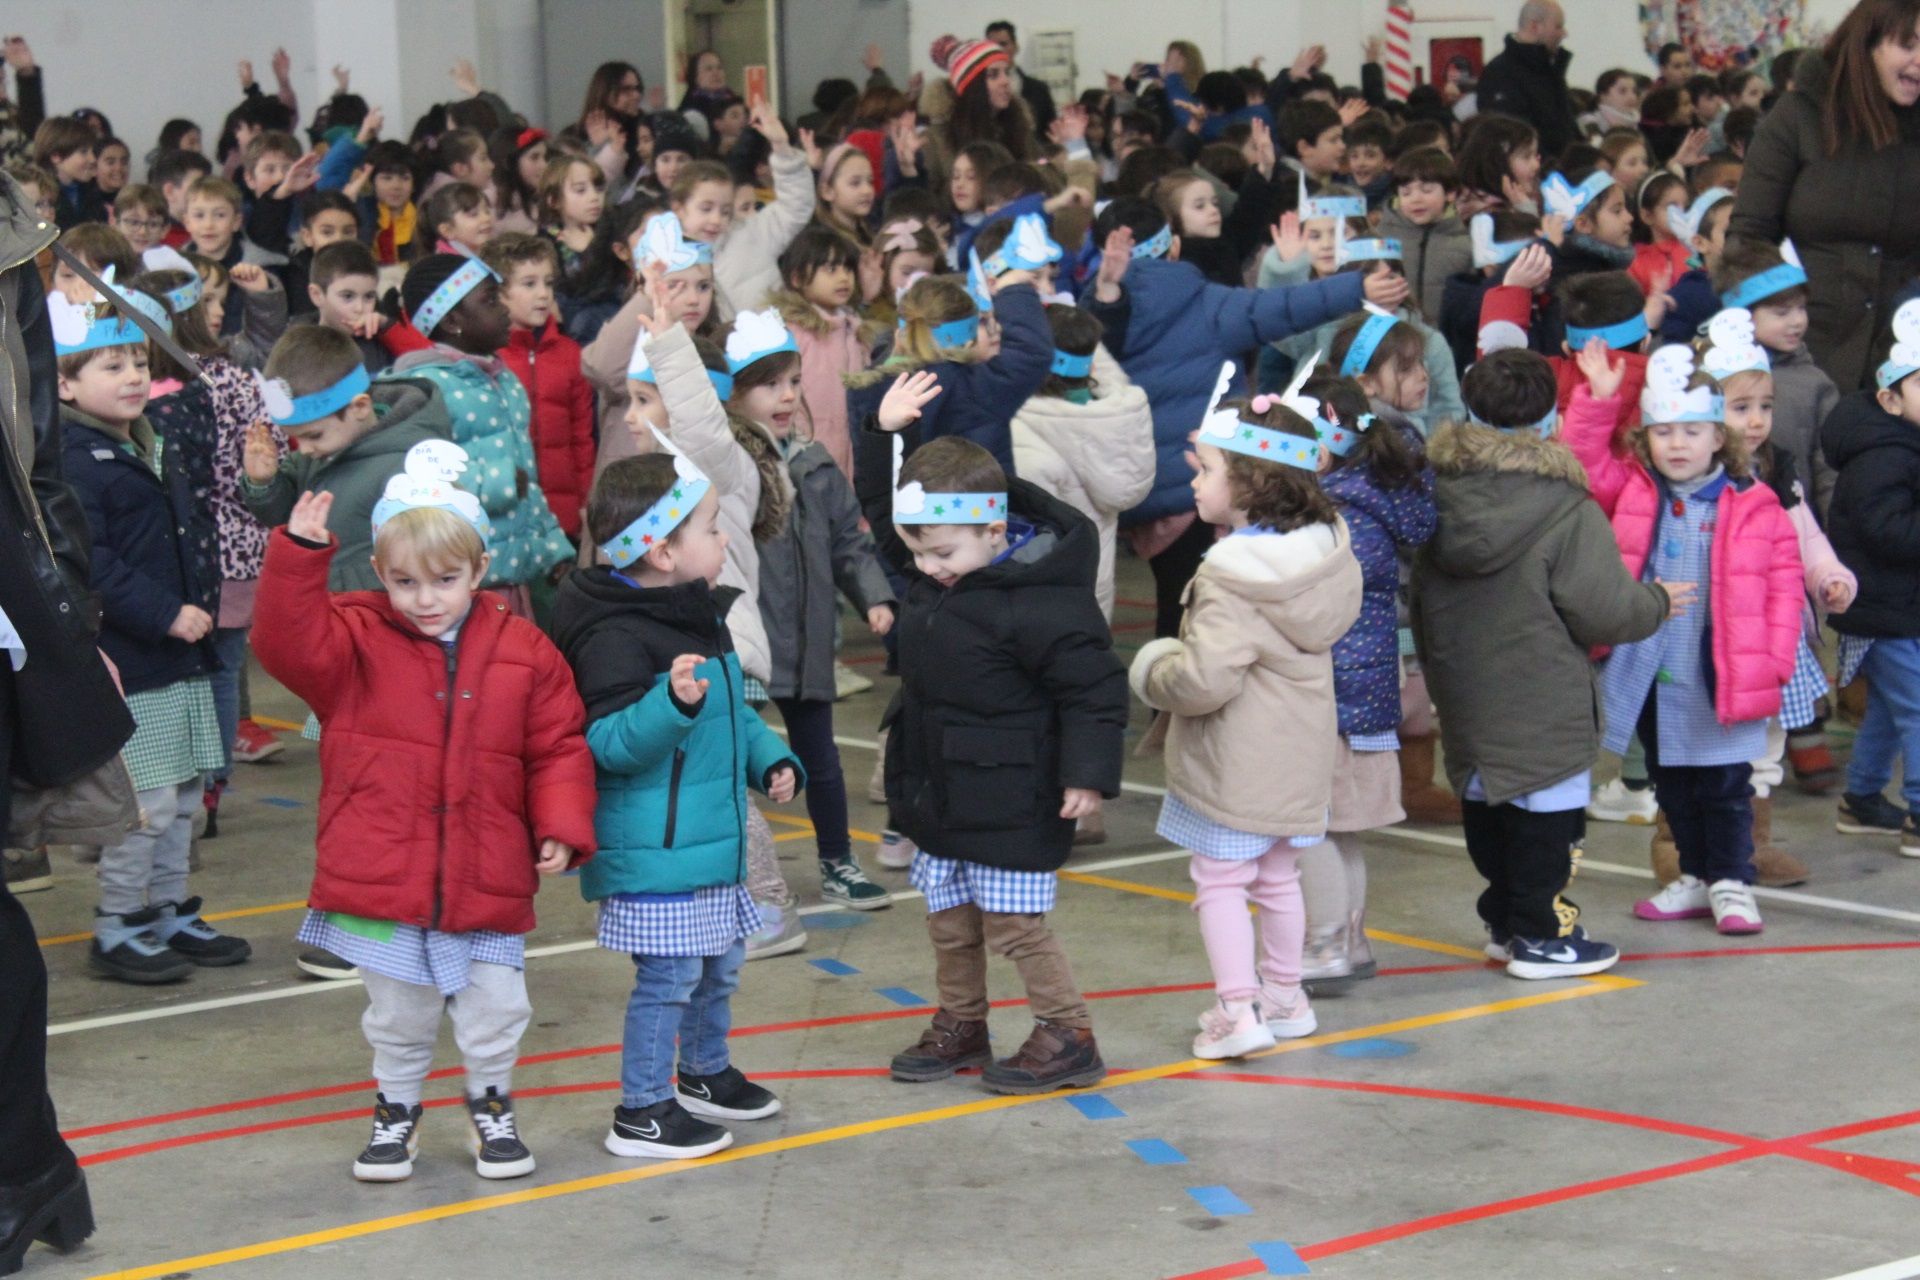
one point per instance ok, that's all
(149, 867)
(402, 1022)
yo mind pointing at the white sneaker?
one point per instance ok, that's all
(1734, 910)
(1684, 899)
(1226, 1034)
(781, 932)
(896, 851)
(1617, 802)
(1288, 1013)
(877, 782)
(847, 682)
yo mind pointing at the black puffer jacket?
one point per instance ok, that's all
(1874, 522)
(1010, 693)
(1529, 82)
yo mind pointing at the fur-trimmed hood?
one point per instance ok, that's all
(1497, 492)
(800, 315)
(1461, 448)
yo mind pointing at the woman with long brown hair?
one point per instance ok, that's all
(1835, 166)
(976, 102)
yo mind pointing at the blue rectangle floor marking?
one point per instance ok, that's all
(1156, 1151)
(1279, 1258)
(1219, 1201)
(281, 802)
(1095, 1107)
(900, 996)
(838, 968)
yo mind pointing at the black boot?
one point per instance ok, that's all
(52, 1207)
(125, 947)
(181, 928)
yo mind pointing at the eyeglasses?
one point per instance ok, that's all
(144, 224)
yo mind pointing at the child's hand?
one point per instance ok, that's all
(1692, 150)
(812, 148)
(1070, 197)
(1387, 289)
(872, 59)
(250, 276)
(1603, 376)
(687, 688)
(554, 858)
(1288, 240)
(1352, 109)
(1836, 594)
(904, 133)
(781, 784)
(1260, 147)
(1531, 270)
(369, 325)
(1514, 192)
(342, 76)
(1659, 301)
(1069, 126)
(872, 271)
(246, 73)
(1081, 803)
(357, 184)
(1680, 595)
(905, 399)
(282, 66)
(303, 173)
(370, 127)
(766, 121)
(464, 77)
(191, 624)
(1115, 257)
(309, 518)
(1553, 229)
(260, 458)
(880, 619)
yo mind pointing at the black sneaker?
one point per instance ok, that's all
(497, 1149)
(325, 964)
(181, 927)
(1873, 815)
(125, 947)
(1910, 838)
(664, 1131)
(396, 1135)
(726, 1095)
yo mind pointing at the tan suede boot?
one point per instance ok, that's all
(1424, 799)
(1773, 866)
(1664, 853)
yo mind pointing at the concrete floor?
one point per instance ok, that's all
(1714, 1108)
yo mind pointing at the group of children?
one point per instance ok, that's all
(536, 593)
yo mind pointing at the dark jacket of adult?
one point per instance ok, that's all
(1529, 82)
(1010, 693)
(1874, 522)
(1850, 215)
(1039, 99)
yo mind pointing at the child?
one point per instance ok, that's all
(1499, 242)
(101, 248)
(155, 627)
(1625, 155)
(461, 155)
(213, 220)
(966, 187)
(459, 218)
(846, 194)
(1606, 305)
(1376, 473)
(820, 307)
(1702, 226)
(112, 159)
(1773, 286)
(674, 749)
(65, 147)
(174, 173)
(1499, 167)
(573, 194)
(909, 249)
(440, 824)
(140, 214)
(547, 362)
(343, 292)
(1699, 691)
(250, 323)
(746, 251)
(1873, 443)
(388, 217)
(1312, 139)
(1220, 246)
(1433, 240)
(275, 172)
(1598, 233)
(1252, 659)
(1003, 657)
(519, 159)
(1308, 241)
(455, 302)
(1367, 141)
(326, 217)
(1521, 577)
(1665, 255)
(1086, 436)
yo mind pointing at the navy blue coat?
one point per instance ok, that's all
(1366, 660)
(1170, 330)
(143, 561)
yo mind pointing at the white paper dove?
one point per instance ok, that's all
(911, 500)
(275, 394)
(1217, 422)
(977, 283)
(164, 257)
(1667, 397)
(1905, 356)
(436, 460)
(639, 367)
(663, 243)
(756, 335)
(70, 320)
(1028, 248)
(1685, 223)
(1487, 252)
(1569, 201)
(1731, 347)
(1790, 255)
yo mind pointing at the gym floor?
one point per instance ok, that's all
(1712, 1108)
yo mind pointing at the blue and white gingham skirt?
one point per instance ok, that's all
(1807, 686)
(1189, 829)
(949, 883)
(425, 957)
(705, 922)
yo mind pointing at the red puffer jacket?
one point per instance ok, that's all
(547, 362)
(436, 786)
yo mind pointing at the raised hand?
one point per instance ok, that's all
(1371, 50)
(909, 394)
(357, 184)
(1352, 109)
(1260, 143)
(282, 66)
(370, 127)
(260, 456)
(687, 687)
(18, 55)
(1553, 229)
(301, 175)
(246, 74)
(872, 59)
(341, 75)
(1692, 150)
(766, 122)
(1115, 257)
(251, 277)
(309, 518)
(904, 133)
(1532, 269)
(465, 78)
(1070, 125)
(1659, 301)
(814, 155)
(1307, 61)
(1603, 376)
(1289, 241)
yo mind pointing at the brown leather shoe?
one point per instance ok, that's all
(1054, 1057)
(1424, 799)
(1664, 853)
(1773, 866)
(947, 1045)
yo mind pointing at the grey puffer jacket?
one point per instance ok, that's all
(819, 549)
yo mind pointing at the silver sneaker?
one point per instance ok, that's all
(779, 935)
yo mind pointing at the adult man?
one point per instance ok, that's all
(1529, 80)
(1039, 97)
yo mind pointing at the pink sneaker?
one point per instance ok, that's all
(1734, 910)
(1684, 899)
(1226, 1032)
(1289, 1016)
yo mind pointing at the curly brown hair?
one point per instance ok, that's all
(1273, 494)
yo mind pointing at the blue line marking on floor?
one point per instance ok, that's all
(282, 802)
(1373, 1049)
(1096, 1107)
(901, 996)
(1156, 1151)
(1280, 1258)
(1219, 1201)
(838, 968)
(836, 920)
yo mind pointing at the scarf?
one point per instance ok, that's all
(395, 233)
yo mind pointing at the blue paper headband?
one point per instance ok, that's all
(1340, 440)
(1620, 336)
(1069, 365)
(754, 357)
(722, 382)
(1378, 249)
(1543, 428)
(117, 332)
(323, 403)
(449, 293)
(954, 333)
(1333, 207)
(1365, 343)
(1769, 282)
(1268, 445)
(948, 508)
(659, 521)
(1156, 245)
(1891, 372)
(182, 297)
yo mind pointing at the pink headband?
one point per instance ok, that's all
(839, 152)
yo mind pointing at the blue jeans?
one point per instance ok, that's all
(1891, 726)
(230, 644)
(677, 997)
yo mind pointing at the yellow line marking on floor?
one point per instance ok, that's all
(821, 1137)
(1127, 886)
(790, 820)
(237, 914)
(286, 726)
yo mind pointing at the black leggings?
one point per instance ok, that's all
(810, 734)
(1172, 569)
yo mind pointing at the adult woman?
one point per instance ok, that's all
(976, 102)
(1835, 166)
(707, 91)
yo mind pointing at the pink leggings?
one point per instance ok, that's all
(1271, 882)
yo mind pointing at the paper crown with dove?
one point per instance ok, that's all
(1157, 245)
(1226, 429)
(449, 293)
(1488, 252)
(1904, 359)
(1731, 347)
(1788, 274)
(912, 504)
(1562, 197)
(87, 326)
(1686, 223)
(663, 242)
(289, 410)
(668, 512)
(1367, 249)
(640, 369)
(977, 283)
(181, 297)
(1667, 396)
(1341, 207)
(431, 467)
(755, 336)
(1028, 247)
(1378, 324)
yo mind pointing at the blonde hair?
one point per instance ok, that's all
(1732, 453)
(927, 304)
(434, 538)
